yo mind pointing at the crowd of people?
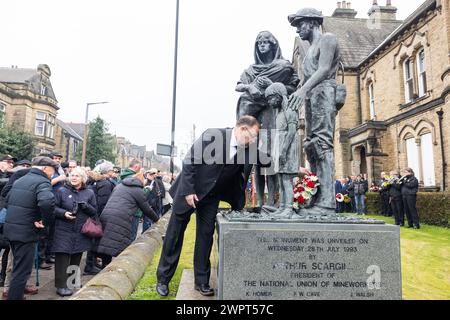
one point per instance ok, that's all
(350, 194)
(398, 196)
(46, 205)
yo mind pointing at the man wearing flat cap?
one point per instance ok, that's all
(317, 95)
(30, 205)
(6, 165)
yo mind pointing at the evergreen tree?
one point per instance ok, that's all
(15, 142)
(100, 143)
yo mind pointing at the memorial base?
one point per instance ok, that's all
(299, 261)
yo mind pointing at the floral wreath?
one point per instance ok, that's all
(340, 197)
(305, 190)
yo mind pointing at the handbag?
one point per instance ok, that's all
(92, 228)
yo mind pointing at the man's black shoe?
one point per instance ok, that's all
(204, 289)
(162, 289)
(417, 227)
(45, 266)
(91, 271)
(50, 260)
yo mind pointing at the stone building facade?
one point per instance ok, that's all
(397, 74)
(27, 100)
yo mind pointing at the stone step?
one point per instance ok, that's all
(186, 289)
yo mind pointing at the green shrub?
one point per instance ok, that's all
(433, 208)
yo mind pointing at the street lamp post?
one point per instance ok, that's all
(174, 97)
(86, 126)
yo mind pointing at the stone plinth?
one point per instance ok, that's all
(297, 261)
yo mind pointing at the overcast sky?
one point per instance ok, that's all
(122, 52)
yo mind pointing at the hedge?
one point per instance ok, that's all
(433, 207)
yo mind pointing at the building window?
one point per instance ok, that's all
(39, 129)
(429, 179)
(2, 114)
(75, 147)
(51, 127)
(421, 71)
(409, 80)
(44, 89)
(373, 115)
(412, 152)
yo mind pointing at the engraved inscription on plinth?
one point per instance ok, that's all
(308, 261)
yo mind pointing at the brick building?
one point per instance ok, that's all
(398, 80)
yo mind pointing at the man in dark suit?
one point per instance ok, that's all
(214, 171)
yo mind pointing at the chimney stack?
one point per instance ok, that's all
(344, 10)
(387, 12)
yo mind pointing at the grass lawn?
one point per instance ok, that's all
(425, 264)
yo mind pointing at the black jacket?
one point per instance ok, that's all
(117, 217)
(410, 186)
(360, 187)
(4, 178)
(68, 237)
(199, 175)
(162, 189)
(16, 176)
(395, 191)
(103, 190)
(31, 199)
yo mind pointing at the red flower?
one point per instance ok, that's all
(301, 189)
(301, 200)
(311, 184)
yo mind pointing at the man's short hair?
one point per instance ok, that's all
(134, 162)
(248, 121)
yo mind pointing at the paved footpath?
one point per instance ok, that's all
(47, 290)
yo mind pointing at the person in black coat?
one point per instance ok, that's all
(103, 187)
(201, 185)
(410, 187)
(30, 205)
(22, 168)
(117, 217)
(74, 205)
(384, 195)
(338, 189)
(395, 195)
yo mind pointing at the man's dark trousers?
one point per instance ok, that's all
(385, 206)
(409, 205)
(173, 242)
(24, 255)
(397, 209)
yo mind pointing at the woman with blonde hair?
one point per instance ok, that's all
(74, 205)
(117, 217)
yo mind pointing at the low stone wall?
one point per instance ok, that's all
(118, 280)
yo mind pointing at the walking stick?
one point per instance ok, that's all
(37, 265)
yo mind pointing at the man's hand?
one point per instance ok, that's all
(304, 172)
(69, 216)
(39, 225)
(297, 99)
(191, 199)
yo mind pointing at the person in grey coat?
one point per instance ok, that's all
(118, 214)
